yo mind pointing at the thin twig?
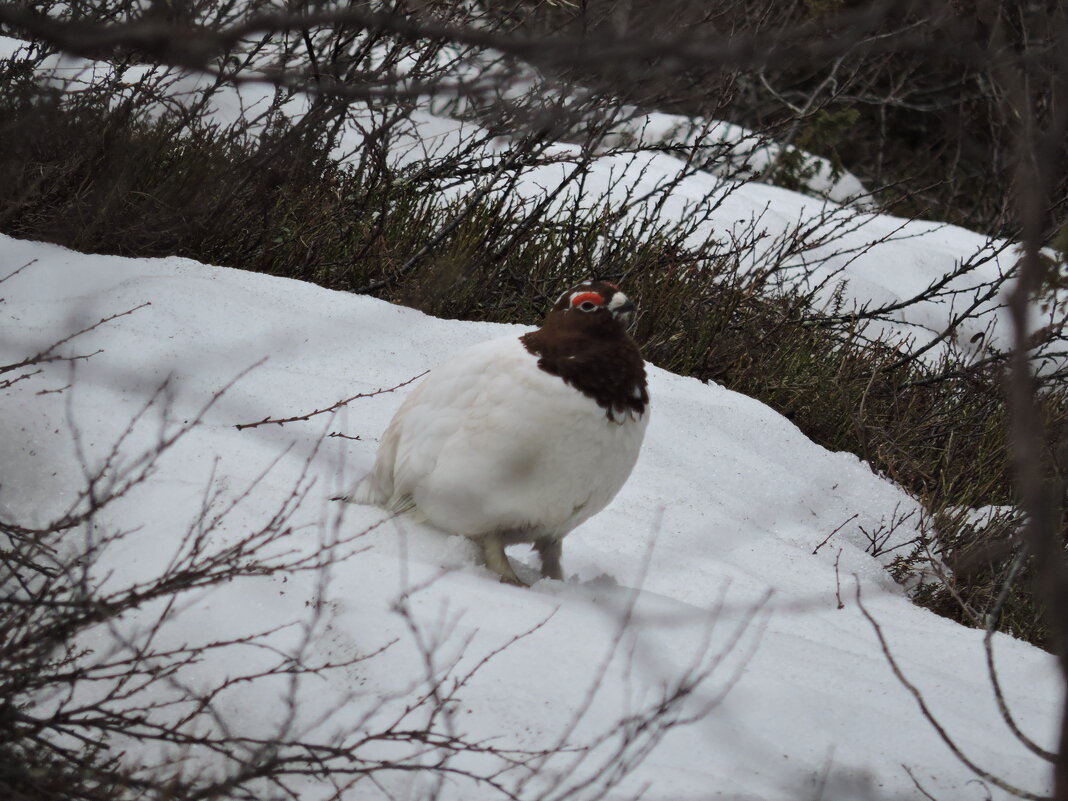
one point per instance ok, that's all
(46, 354)
(828, 538)
(919, 786)
(283, 420)
(978, 771)
(838, 581)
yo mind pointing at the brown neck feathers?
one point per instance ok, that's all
(594, 354)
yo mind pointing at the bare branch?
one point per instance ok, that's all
(930, 717)
(283, 420)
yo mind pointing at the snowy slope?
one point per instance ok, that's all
(712, 542)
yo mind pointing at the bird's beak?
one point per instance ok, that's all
(624, 313)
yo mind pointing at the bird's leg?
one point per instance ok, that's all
(550, 549)
(493, 555)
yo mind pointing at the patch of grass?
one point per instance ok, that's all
(275, 204)
(972, 566)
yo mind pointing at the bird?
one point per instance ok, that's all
(523, 438)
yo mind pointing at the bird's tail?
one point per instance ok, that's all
(376, 488)
(363, 491)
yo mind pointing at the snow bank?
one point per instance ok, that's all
(716, 540)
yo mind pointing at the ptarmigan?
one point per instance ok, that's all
(521, 439)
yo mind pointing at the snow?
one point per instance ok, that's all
(709, 560)
(728, 565)
(730, 151)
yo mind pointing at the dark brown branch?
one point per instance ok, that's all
(935, 724)
(827, 539)
(283, 420)
(16, 271)
(1003, 706)
(194, 46)
(48, 354)
(1040, 496)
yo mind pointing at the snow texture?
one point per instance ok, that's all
(730, 539)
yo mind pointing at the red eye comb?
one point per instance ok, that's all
(592, 297)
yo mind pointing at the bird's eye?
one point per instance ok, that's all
(586, 301)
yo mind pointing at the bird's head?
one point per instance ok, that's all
(596, 301)
(584, 341)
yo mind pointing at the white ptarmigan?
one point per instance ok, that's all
(521, 439)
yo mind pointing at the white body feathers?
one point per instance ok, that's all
(489, 443)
